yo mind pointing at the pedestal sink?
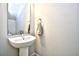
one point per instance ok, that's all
(22, 42)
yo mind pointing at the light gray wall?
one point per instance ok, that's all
(61, 29)
(5, 48)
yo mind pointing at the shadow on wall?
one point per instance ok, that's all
(40, 40)
(40, 44)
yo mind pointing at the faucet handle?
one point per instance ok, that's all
(21, 32)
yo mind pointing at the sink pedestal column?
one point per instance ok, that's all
(23, 51)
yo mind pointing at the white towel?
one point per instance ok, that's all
(39, 29)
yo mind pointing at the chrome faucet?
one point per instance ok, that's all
(21, 33)
(22, 36)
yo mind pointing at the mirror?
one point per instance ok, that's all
(18, 18)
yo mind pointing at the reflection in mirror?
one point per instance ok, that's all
(18, 18)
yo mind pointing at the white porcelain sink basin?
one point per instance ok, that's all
(21, 41)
